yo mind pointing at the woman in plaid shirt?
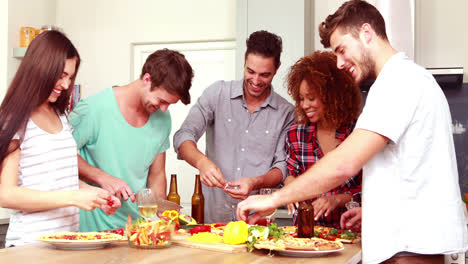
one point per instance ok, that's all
(328, 103)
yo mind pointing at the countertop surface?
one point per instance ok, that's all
(120, 252)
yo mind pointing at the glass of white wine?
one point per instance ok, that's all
(268, 191)
(146, 201)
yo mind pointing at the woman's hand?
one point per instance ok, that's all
(113, 203)
(292, 207)
(324, 206)
(90, 198)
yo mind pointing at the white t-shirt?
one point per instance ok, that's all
(48, 162)
(411, 199)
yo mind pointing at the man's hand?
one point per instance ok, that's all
(351, 219)
(210, 174)
(116, 187)
(263, 204)
(324, 206)
(245, 185)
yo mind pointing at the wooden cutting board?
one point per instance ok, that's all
(221, 247)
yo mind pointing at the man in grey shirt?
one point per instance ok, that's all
(246, 124)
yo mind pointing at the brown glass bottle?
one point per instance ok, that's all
(305, 219)
(198, 202)
(173, 196)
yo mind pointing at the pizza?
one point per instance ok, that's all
(294, 243)
(328, 233)
(80, 236)
(333, 234)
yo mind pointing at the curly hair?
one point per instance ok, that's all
(340, 95)
(349, 18)
(266, 44)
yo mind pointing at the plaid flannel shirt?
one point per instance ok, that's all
(303, 151)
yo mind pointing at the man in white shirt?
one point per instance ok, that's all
(402, 140)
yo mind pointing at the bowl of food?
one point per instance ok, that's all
(150, 234)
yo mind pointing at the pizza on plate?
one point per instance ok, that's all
(81, 236)
(294, 243)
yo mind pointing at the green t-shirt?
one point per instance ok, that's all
(108, 142)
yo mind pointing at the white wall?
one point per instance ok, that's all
(291, 26)
(23, 13)
(103, 31)
(3, 47)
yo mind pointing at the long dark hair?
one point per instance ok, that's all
(37, 75)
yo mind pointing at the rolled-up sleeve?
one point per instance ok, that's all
(279, 160)
(199, 117)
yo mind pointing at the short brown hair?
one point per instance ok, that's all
(170, 69)
(336, 88)
(266, 44)
(349, 18)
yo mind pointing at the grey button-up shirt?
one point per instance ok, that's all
(239, 143)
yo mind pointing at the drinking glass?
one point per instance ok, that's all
(147, 206)
(268, 191)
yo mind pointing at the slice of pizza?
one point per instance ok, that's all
(270, 244)
(334, 234)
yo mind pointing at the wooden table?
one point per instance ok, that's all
(120, 252)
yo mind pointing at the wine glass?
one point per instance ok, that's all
(268, 191)
(147, 206)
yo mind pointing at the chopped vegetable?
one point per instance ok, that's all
(150, 233)
(200, 229)
(205, 237)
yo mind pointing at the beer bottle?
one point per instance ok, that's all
(173, 196)
(198, 202)
(305, 219)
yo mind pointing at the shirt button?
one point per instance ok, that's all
(267, 131)
(233, 206)
(246, 131)
(242, 149)
(238, 169)
(229, 120)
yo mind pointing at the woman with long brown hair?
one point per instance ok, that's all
(328, 103)
(38, 156)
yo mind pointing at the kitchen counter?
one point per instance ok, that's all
(120, 252)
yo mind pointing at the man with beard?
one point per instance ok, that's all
(123, 134)
(411, 204)
(246, 124)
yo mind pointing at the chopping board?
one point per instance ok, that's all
(221, 247)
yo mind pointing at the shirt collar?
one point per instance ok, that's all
(238, 92)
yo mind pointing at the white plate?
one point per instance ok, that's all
(79, 244)
(74, 245)
(305, 253)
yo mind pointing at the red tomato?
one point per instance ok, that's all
(119, 231)
(323, 235)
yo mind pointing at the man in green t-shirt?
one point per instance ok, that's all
(123, 134)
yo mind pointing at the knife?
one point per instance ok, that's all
(164, 205)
